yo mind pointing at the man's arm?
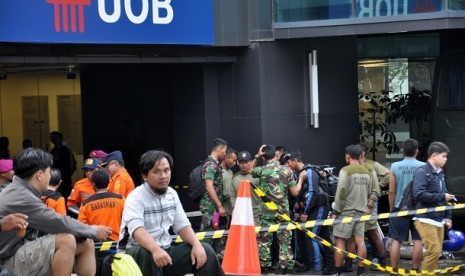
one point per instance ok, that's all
(420, 192)
(383, 174)
(375, 190)
(160, 257)
(74, 199)
(296, 189)
(312, 198)
(198, 255)
(13, 221)
(341, 192)
(392, 190)
(214, 197)
(257, 156)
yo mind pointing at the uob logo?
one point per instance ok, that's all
(72, 11)
(61, 9)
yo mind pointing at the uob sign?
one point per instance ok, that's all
(107, 21)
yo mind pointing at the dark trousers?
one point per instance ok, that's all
(311, 250)
(181, 259)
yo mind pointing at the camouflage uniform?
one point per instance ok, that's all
(275, 181)
(211, 169)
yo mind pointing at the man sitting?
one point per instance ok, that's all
(57, 252)
(150, 210)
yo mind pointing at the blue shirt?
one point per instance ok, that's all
(403, 172)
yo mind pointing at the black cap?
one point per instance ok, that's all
(244, 156)
(293, 154)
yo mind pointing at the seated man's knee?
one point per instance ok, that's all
(209, 250)
(65, 241)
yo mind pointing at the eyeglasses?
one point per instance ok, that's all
(107, 165)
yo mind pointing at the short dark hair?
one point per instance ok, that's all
(218, 142)
(148, 160)
(269, 152)
(434, 147)
(294, 154)
(230, 151)
(57, 134)
(410, 147)
(55, 177)
(100, 178)
(363, 146)
(354, 151)
(283, 158)
(27, 162)
(281, 148)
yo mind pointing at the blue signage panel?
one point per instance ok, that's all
(108, 21)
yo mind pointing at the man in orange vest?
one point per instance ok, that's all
(84, 188)
(120, 182)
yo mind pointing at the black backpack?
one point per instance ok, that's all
(324, 191)
(196, 188)
(406, 203)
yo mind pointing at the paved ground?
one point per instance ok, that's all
(458, 258)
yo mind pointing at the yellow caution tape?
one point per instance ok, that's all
(105, 246)
(400, 271)
(180, 187)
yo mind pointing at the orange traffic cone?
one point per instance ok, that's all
(241, 253)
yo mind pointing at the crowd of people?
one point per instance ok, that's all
(294, 186)
(141, 219)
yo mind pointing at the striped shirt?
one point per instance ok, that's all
(156, 213)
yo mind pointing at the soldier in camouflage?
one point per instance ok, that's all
(211, 201)
(275, 181)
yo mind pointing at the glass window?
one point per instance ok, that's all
(456, 5)
(455, 87)
(305, 10)
(398, 77)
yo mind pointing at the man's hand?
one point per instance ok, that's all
(102, 232)
(198, 255)
(161, 258)
(448, 223)
(367, 210)
(449, 197)
(14, 221)
(222, 211)
(260, 151)
(303, 218)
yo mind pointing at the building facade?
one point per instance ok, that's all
(139, 75)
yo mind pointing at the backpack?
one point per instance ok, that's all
(406, 203)
(325, 193)
(119, 264)
(196, 188)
